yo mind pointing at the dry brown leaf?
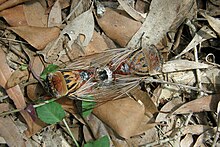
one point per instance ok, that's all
(79, 32)
(213, 22)
(187, 141)
(33, 126)
(97, 127)
(4, 107)
(207, 135)
(38, 37)
(205, 103)
(128, 115)
(182, 65)
(55, 18)
(157, 23)
(142, 96)
(131, 11)
(118, 26)
(96, 45)
(203, 34)
(14, 16)
(2, 1)
(35, 14)
(14, 93)
(163, 117)
(10, 133)
(11, 3)
(17, 77)
(34, 91)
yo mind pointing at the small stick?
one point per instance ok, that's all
(70, 132)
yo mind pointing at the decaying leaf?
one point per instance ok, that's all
(35, 14)
(17, 77)
(14, 93)
(128, 115)
(79, 33)
(203, 34)
(14, 16)
(131, 11)
(156, 24)
(10, 3)
(38, 37)
(206, 103)
(10, 132)
(182, 65)
(123, 26)
(213, 22)
(55, 18)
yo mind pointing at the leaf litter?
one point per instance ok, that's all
(145, 73)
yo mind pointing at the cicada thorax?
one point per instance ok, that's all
(64, 82)
(141, 62)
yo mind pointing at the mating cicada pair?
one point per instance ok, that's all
(107, 75)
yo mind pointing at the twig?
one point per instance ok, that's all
(198, 73)
(70, 132)
(176, 84)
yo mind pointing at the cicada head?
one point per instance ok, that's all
(57, 84)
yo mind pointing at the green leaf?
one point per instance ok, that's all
(51, 68)
(101, 142)
(23, 66)
(87, 106)
(50, 113)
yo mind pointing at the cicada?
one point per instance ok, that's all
(107, 75)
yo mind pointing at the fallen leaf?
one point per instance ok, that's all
(205, 103)
(97, 127)
(4, 107)
(35, 14)
(118, 26)
(213, 22)
(14, 93)
(79, 34)
(203, 34)
(17, 77)
(156, 24)
(14, 16)
(78, 27)
(131, 11)
(96, 45)
(128, 115)
(55, 17)
(204, 137)
(182, 65)
(10, 3)
(10, 132)
(33, 126)
(38, 37)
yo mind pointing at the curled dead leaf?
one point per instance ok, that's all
(17, 77)
(205, 103)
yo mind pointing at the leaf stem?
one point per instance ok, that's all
(70, 132)
(10, 112)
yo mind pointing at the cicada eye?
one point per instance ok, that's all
(103, 75)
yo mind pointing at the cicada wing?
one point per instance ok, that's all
(102, 59)
(103, 92)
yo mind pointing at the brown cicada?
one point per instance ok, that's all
(107, 75)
